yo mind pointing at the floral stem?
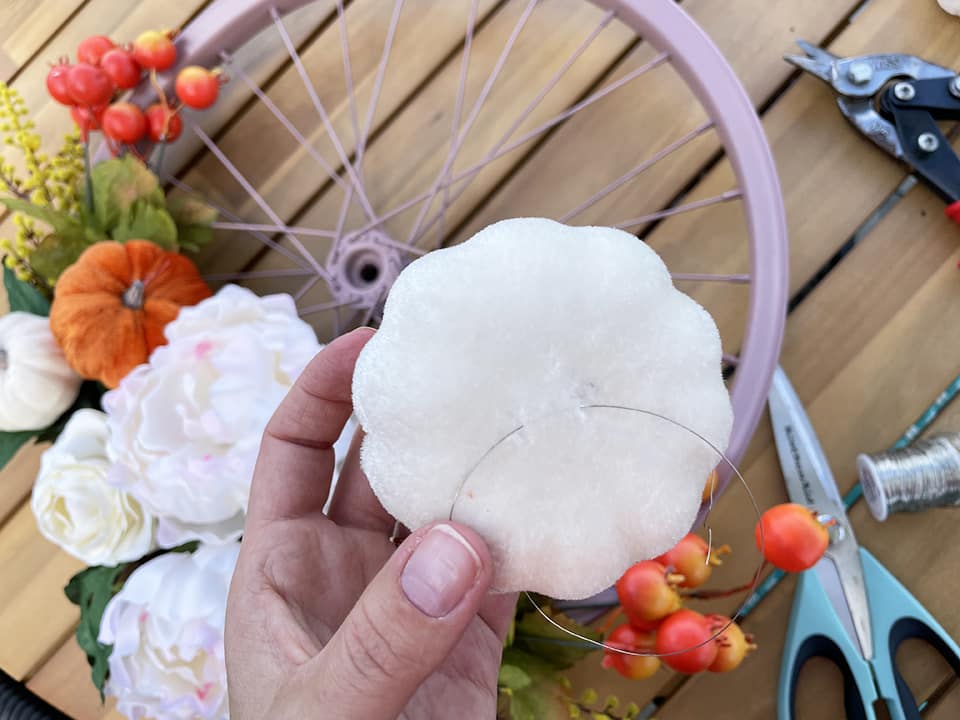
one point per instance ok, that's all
(12, 187)
(610, 619)
(711, 594)
(88, 175)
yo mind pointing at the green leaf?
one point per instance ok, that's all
(91, 590)
(537, 636)
(193, 218)
(118, 183)
(10, 442)
(88, 397)
(544, 700)
(144, 221)
(56, 253)
(513, 677)
(190, 210)
(24, 297)
(60, 223)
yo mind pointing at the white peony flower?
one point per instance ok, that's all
(166, 628)
(76, 508)
(186, 427)
(36, 384)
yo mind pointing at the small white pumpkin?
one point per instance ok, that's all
(36, 384)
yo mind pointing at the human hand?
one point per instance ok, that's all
(326, 618)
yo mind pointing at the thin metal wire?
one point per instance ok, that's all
(676, 423)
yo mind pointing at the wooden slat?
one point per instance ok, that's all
(35, 616)
(27, 25)
(64, 681)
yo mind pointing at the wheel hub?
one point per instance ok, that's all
(364, 269)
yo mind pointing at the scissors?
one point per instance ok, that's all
(895, 101)
(847, 608)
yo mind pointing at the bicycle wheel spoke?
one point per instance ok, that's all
(527, 137)
(377, 85)
(305, 288)
(293, 257)
(258, 274)
(637, 170)
(678, 209)
(711, 277)
(472, 117)
(539, 130)
(458, 103)
(314, 309)
(249, 227)
(321, 111)
(347, 72)
(290, 127)
(257, 198)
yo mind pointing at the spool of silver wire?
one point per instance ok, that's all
(924, 475)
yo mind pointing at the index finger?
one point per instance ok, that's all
(295, 466)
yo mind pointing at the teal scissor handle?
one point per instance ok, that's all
(895, 615)
(815, 631)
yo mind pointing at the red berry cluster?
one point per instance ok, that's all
(92, 86)
(792, 537)
(658, 623)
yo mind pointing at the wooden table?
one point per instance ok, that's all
(868, 347)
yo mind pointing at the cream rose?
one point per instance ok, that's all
(76, 508)
(166, 629)
(186, 427)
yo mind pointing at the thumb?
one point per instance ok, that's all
(406, 622)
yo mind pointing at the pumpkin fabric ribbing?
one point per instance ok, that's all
(111, 306)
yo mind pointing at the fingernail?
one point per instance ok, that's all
(440, 572)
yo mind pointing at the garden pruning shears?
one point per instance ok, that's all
(847, 608)
(896, 100)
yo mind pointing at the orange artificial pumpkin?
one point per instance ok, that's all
(111, 306)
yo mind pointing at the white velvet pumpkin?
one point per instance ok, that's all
(36, 384)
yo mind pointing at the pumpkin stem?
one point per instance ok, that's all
(3, 359)
(133, 297)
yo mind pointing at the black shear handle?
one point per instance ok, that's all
(915, 113)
